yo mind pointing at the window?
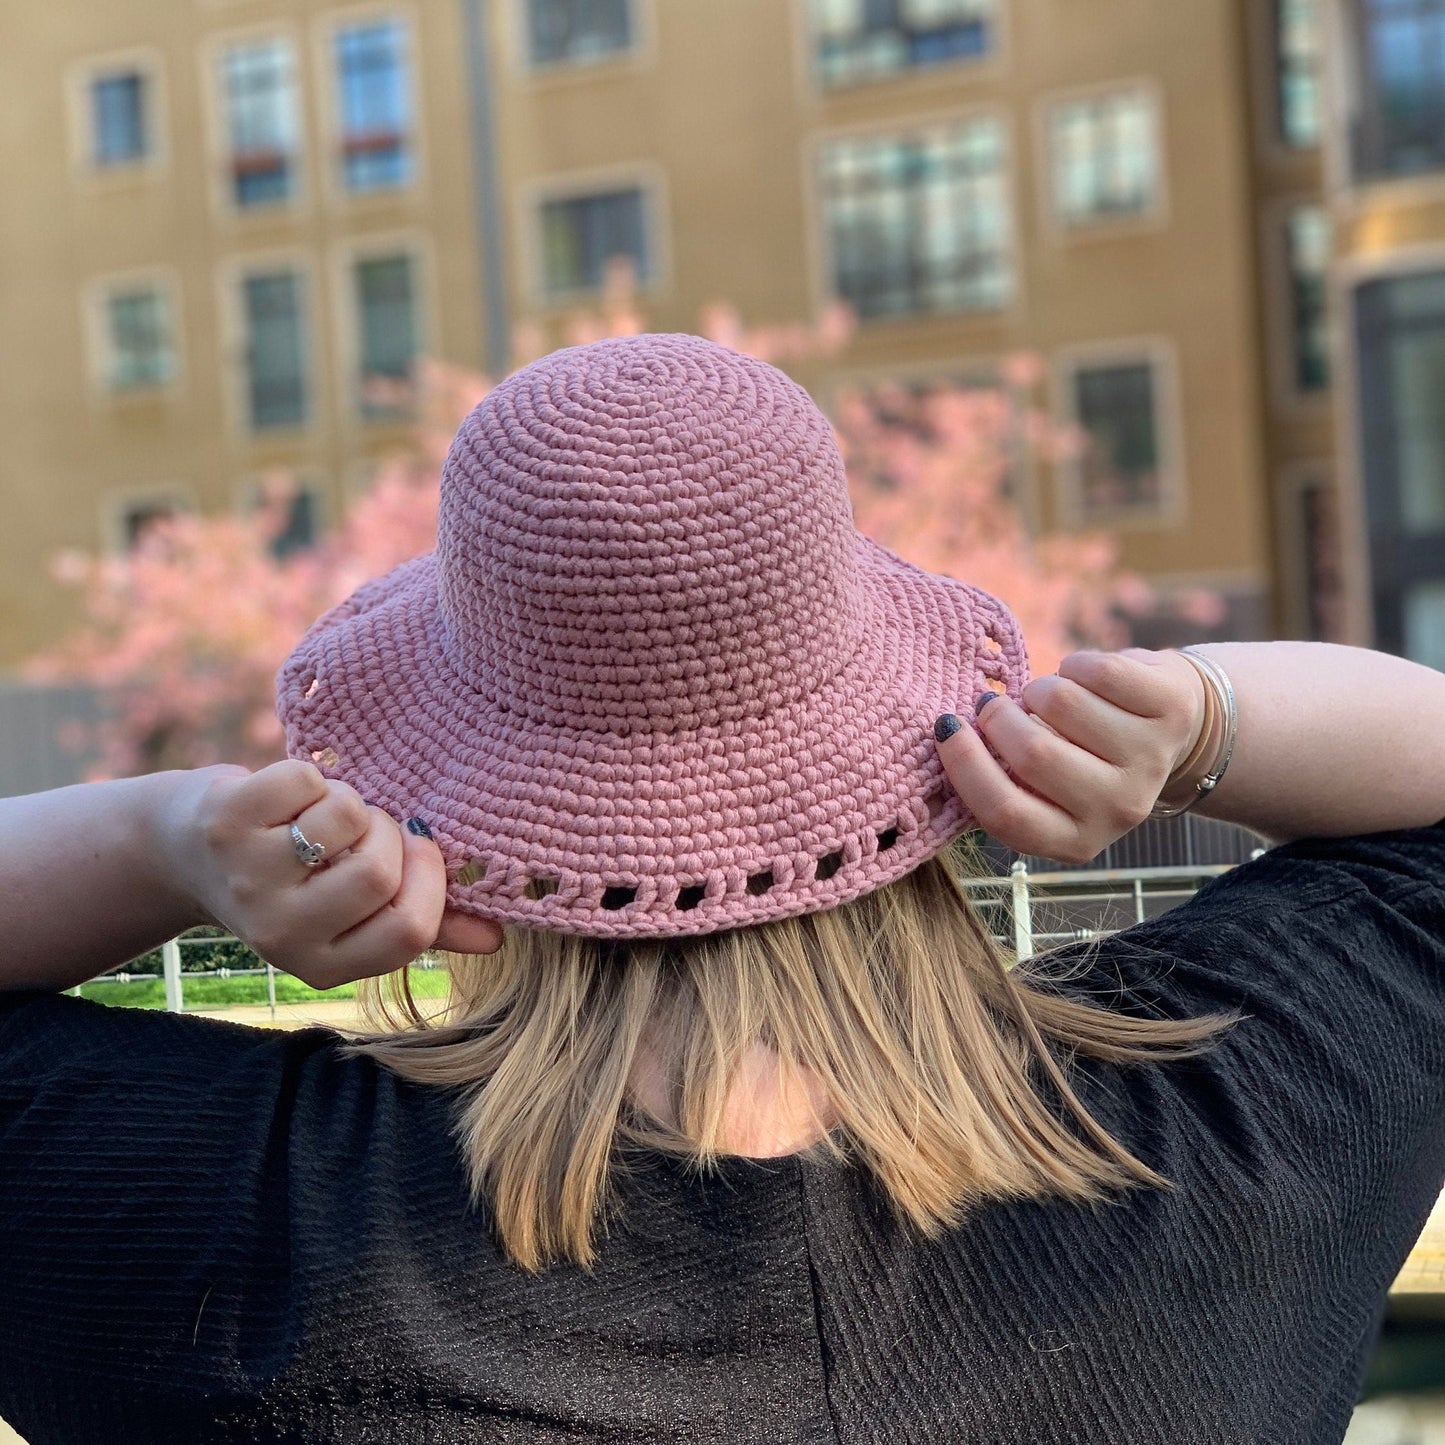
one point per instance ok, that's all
(1424, 639)
(1104, 154)
(1400, 345)
(1307, 243)
(137, 517)
(860, 40)
(1399, 53)
(139, 343)
(580, 233)
(275, 349)
(577, 30)
(262, 123)
(1297, 71)
(1322, 573)
(1116, 405)
(294, 511)
(120, 118)
(386, 305)
(920, 223)
(374, 94)
(1000, 442)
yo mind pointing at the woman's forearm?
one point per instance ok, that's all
(1332, 740)
(82, 887)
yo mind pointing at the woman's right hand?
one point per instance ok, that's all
(1085, 757)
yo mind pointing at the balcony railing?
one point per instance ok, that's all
(1025, 911)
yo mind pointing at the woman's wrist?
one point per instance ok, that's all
(89, 882)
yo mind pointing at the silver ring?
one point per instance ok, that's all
(311, 854)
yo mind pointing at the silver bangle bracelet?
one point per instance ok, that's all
(1216, 677)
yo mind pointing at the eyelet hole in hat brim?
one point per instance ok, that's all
(541, 887)
(937, 801)
(759, 883)
(886, 839)
(618, 896)
(829, 864)
(472, 871)
(690, 896)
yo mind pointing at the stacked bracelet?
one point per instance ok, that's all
(1216, 740)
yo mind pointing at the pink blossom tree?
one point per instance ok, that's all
(184, 636)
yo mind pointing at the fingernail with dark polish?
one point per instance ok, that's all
(415, 825)
(979, 701)
(946, 725)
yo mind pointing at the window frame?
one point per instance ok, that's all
(329, 131)
(1161, 353)
(230, 276)
(1285, 397)
(313, 479)
(417, 246)
(79, 77)
(99, 341)
(1292, 481)
(1277, 58)
(216, 107)
(1108, 226)
(821, 254)
(960, 68)
(640, 54)
(117, 501)
(647, 176)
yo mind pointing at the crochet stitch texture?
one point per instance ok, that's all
(652, 681)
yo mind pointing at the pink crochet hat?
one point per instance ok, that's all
(653, 680)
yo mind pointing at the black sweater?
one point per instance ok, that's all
(216, 1233)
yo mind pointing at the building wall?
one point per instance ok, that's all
(73, 452)
(718, 111)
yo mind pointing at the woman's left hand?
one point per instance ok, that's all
(375, 903)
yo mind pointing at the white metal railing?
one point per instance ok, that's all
(1019, 894)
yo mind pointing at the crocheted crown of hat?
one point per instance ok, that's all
(652, 680)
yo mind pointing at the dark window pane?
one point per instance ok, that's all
(920, 223)
(262, 119)
(276, 359)
(137, 518)
(1424, 620)
(375, 97)
(580, 233)
(299, 531)
(1115, 405)
(1319, 524)
(1307, 233)
(118, 113)
(577, 29)
(860, 40)
(1400, 55)
(1297, 62)
(386, 308)
(140, 340)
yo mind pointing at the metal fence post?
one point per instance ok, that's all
(171, 966)
(1023, 923)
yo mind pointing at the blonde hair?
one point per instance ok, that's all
(921, 1028)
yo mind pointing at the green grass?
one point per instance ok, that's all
(205, 993)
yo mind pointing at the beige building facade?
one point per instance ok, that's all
(234, 223)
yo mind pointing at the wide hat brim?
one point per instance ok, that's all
(664, 833)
